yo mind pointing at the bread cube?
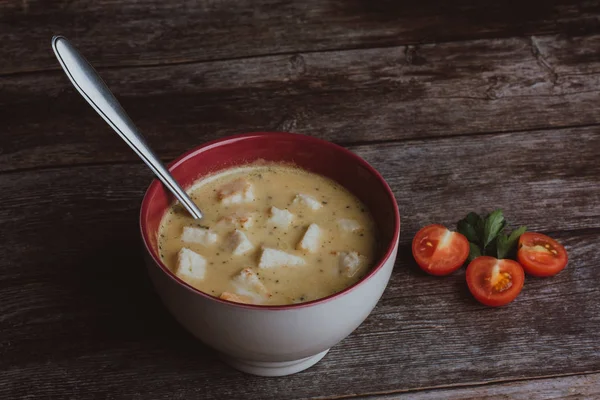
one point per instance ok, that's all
(349, 262)
(239, 219)
(272, 258)
(280, 218)
(238, 243)
(310, 240)
(236, 192)
(248, 284)
(308, 201)
(201, 236)
(349, 225)
(236, 298)
(190, 264)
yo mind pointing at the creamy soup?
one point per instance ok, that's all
(272, 234)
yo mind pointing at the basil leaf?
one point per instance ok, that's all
(465, 228)
(492, 227)
(474, 252)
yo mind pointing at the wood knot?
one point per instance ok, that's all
(297, 64)
(287, 124)
(491, 92)
(413, 57)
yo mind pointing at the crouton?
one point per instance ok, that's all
(190, 264)
(240, 220)
(349, 225)
(236, 298)
(201, 236)
(238, 243)
(310, 240)
(248, 284)
(272, 258)
(236, 192)
(280, 218)
(349, 262)
(308, 201)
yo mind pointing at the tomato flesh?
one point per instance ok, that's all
(439, 251)
(541, 255)
(495, 282)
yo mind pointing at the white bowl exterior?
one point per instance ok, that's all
(271, 335)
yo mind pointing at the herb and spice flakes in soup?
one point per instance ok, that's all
(272, 235)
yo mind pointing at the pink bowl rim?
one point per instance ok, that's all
(284, 135)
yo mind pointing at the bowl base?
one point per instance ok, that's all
(261, 368)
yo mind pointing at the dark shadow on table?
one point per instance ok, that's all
(124, 309)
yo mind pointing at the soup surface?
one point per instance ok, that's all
(272, 234)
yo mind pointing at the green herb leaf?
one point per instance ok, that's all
(479, 229)
(502, 246)
(516, 234)
(492, 249)
(465, 228)
(472, 227)
(486, 237)
(507, 244)
(474, 251)
(513, 240)
(504, 223)
(494, 223)
(476, 222)
(472, 218)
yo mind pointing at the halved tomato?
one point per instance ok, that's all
(495, 282)
(541, 255)
(439, 251)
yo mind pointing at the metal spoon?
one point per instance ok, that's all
(89, 84)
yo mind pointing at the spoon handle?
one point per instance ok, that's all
(89, 84)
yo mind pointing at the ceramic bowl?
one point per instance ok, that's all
(274, 340)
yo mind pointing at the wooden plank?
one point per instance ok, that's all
(79, 318)
(158, 32)
(547, 180)
(347, 96)
(99, 331)
(568, 387)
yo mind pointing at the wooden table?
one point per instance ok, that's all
(463, 105)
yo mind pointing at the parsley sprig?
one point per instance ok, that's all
(489, 236)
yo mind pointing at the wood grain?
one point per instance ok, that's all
(568, 387)
(86, 334)
(345, 96)
(161, 32)
(462, 105)
(80, 319)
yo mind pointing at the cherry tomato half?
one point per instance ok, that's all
(439, 251)
(495, 282)
(541, 255)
